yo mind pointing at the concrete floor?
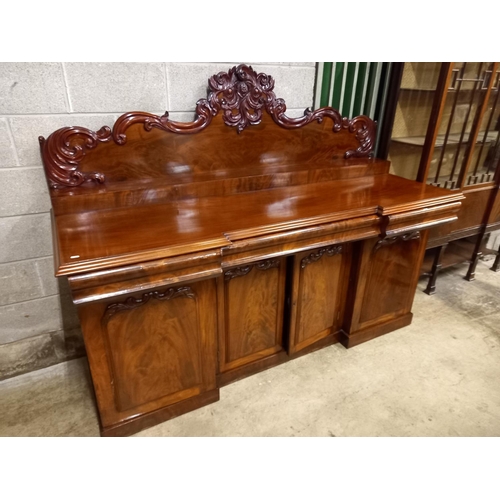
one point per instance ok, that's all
(437, 377)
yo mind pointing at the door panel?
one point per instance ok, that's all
(251, 312)
(152, 350)
(320, 280)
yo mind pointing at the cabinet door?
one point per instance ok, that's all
(147, 351)
(385, 277)
(251, 306)
(320, 280)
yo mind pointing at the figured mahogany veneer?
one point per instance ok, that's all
(199, 253)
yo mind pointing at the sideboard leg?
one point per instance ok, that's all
(436, 266)
(496, 265)
(477, 254)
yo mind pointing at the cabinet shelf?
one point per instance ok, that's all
(416, 89)
(453, 139)
(449, 91)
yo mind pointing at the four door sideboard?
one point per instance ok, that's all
(200, 253)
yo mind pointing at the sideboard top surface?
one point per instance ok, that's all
(195, 224)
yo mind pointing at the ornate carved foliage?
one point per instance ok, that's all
(415, 235)
(242, 271)
(133, 302)
(63, 151)
(315, 256)
(241, 94)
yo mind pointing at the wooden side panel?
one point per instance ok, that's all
(151, 351)
(494, 215)
(251, 306)
(320, 281)
(472, 214)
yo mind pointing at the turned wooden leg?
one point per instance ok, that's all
(496, 265)
(471, 273)
(436, 266)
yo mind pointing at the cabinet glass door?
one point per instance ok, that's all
(446, 124)
(458, 130)
(411, 120)
(486, 156)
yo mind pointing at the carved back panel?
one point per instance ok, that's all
(241, 126)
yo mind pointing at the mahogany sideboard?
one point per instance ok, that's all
(199, 253)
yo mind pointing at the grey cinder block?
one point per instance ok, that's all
(26, 319)
(187, 83)
(25, 237)
(116, 87)
(7, 154)
(32, 88)
(23, 191)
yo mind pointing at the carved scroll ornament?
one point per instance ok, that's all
(241, 94)
(315, 256)
(133, 302)
(242, 271)
(415, 235)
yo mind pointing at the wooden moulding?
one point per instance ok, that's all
(145, 276)
(137, 424)
(372, 332)
(274, 360)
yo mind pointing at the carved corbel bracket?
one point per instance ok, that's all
(415, 235)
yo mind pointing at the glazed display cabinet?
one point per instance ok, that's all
(446, 122)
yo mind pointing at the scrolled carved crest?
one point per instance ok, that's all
(241, 95)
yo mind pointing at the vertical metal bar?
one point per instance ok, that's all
(319, 82)
(493, 109)
(325, 86)
(381, 104)
(365, 88)
(348, 88)
(372, 106)
(332, 85)
(353, 89)
(337, 91)
(435, 121)
(385, 126)
(371, 85)
(342, 90)
(360, 86)
(455, 162)
(448, 128)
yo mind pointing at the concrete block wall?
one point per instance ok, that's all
(38, 322)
